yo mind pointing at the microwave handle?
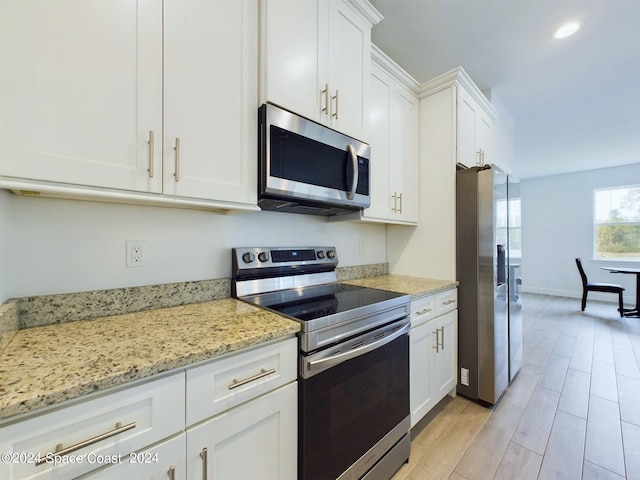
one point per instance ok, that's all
(354, 162)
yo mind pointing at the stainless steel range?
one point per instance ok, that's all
(353, 408)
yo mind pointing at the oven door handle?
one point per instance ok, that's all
(323, 364)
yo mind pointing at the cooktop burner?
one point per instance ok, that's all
(301, 283)
(310, 303)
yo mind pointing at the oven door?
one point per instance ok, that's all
(306, 161)
(353, 405)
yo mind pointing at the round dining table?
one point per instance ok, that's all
(631, 312)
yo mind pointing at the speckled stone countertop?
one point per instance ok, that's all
(415, 286)
(45, 365)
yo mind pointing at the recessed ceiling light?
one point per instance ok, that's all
(566, 30)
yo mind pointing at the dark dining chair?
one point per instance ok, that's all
(598, 287)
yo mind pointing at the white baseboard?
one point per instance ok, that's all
(629, 300)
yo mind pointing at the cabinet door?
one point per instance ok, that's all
(80, 90)
(349, 57)
(403, 153)
(484, 137)
(293, 72)
(164, 461)
(381, 201)
(444, 358)
(210, 99)
(468, 110)
(420, 394)
(255, 440)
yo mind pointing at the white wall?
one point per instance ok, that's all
(61, 246)
(557, 227)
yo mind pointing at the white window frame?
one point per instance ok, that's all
(596, 223)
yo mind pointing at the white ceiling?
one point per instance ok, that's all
(575, 102)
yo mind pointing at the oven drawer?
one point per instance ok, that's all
(222, 384)
(446, 301)
(423, 309)
(90, 433)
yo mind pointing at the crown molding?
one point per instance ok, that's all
(388, 65)
(457, 76)
(367, 10)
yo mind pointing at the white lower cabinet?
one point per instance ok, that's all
(164, 461)
(93, 433)
(233, 417)
(242, 415)
(255, 440)
(433, 353)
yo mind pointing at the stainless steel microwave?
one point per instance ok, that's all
(306, 167)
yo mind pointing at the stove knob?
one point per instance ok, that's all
(263, 256)
(331, 254)
(248, 257)
(320, 254)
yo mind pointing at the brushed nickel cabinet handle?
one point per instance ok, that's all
(172, 472)
(395, 199)
(60, 451)
(177, 149)
(151, 143)
(437, 347)
(400, 199)
(423, 311)
(205, 463)
(442, 342)
(449, 302)
(263, 373)
(335, 97)
(325, 92)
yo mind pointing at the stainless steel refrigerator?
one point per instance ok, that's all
(488, 257)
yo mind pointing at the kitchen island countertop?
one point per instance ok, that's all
(43, 366)
(415, 286)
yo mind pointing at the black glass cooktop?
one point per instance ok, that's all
(311, 303)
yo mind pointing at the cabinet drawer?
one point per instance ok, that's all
(164, 461)
(89, 432)
(446, 301)
(217, 386)
(423, 309)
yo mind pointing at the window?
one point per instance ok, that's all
(512, 218)
(617, 223)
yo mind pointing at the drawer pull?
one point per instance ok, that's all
(263, 373)
(177, 161)
(423, 311)
(204, 455)
(85, 443)
(449, 302)
(151, 143)
(172, 472)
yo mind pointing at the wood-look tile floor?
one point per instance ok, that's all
(573, 412)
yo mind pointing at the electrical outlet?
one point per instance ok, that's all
(464, 376)
(135, 254)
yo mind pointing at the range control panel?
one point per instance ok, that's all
(264, 257)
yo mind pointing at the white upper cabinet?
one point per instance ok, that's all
(316, 60)
(394, 117)
(475, 131)
(210, 99)
(116, 100)
(80, 90)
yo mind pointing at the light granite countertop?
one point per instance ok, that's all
(415, 286)
(46, 365)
